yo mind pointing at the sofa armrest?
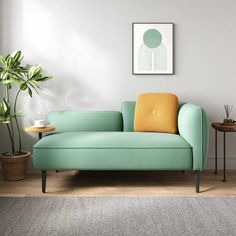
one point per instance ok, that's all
(193, 127)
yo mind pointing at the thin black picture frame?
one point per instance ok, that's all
(172, 73)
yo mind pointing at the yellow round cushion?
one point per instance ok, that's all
(156, 112)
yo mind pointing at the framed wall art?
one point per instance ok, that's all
(152, 48)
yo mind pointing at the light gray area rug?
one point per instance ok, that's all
(117, 216)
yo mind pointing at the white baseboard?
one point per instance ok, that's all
(230, 163)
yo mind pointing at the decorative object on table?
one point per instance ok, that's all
(152, 48)
(40, 130)
(228, 109)
(16, 78)
(40, 123)
(222, 127)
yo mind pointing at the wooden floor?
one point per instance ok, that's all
(120, 183)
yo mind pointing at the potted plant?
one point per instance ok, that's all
(15, 79)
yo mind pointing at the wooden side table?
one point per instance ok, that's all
(222, 128)
(40, 131)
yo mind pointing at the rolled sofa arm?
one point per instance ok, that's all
(193, 127)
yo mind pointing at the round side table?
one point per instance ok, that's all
(40, 131)
(222, 128)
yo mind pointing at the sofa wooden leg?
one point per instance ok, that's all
(197, 180)
(44, 178)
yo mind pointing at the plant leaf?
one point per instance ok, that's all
(44, 78)
(30, 92)
(4, 75)
(2, 60)
(8, 81)
(5, 111)
(23, 86)
(34, 71)
(16, 58)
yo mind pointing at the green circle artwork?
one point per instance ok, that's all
(152, 38)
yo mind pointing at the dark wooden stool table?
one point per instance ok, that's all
(222, 128)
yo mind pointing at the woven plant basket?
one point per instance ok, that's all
(15, 167)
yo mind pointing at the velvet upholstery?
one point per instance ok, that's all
(106, 141)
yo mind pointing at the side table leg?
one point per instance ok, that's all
(216, 152)
(224, 179)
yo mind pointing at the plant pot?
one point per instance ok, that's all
(14, 167)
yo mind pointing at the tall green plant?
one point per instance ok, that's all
(23, 79)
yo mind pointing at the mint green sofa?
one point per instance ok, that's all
(104, 140)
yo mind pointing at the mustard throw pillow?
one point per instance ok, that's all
(156, 112)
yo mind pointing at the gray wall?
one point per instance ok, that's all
(86, 46)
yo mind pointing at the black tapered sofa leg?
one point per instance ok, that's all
(44, 178)
(197, 180)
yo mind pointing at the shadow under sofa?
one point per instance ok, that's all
(105, 140)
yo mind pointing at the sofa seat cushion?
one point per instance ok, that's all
(112, 151)
(96, 140)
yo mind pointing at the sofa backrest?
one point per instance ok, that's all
(128, 109)
(72, 121)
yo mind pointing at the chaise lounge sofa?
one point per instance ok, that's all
(105, 140)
